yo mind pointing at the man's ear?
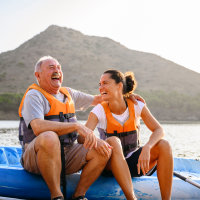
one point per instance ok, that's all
(37, 75)
(120, 85)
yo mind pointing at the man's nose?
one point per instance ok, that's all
(57, 69)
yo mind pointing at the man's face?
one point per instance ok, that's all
(50, 76)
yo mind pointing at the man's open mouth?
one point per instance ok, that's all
(55, 77)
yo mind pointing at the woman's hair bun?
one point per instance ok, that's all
(130, 82)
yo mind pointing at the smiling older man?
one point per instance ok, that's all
(47, 111)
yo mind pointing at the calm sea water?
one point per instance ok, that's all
(184, 138)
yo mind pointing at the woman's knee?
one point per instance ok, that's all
(164, 146)
(113, 141)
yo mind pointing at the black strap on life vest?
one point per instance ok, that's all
(62, 138)
(120, 134)
(21, 138)
(63, 116)
(129, 147)
(60, 117)
(126, 147)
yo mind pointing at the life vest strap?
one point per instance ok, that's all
(62, 117)
(21, 138)
(123, 134)
(129, 147)
(66, 116)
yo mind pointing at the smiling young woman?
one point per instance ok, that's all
(118, 122)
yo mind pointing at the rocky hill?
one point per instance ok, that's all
(172, 92)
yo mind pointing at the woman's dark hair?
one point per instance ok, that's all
(127, 79)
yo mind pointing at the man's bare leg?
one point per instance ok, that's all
(47, 147)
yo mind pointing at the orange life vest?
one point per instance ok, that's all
(63, 112)
(56, 106)
(128, 133)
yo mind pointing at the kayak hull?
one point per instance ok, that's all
(15, 182)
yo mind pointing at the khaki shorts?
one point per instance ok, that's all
(75, 158)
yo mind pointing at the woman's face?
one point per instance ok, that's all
(108, 88)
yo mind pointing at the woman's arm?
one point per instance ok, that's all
(92, 121)
(157, 135)
(153, 125)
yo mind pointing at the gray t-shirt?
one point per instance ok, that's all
(36, 105)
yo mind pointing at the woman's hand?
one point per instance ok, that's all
(144, 159)
(103, 148)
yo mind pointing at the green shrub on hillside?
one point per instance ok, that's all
(9, 102)
(172, 105)
(164, 106)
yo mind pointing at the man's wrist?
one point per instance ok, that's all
(147, 146)
(77, 126)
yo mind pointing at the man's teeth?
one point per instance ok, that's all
(55, 77)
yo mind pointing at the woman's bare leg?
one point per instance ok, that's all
(119, 168)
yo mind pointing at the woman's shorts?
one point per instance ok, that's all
(132, 162)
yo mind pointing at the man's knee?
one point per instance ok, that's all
(103, 160)
(99, 158)
(48, 140)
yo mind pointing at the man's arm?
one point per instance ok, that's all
(134, 97)
(97, 99)
(61, 128)
(83, 100)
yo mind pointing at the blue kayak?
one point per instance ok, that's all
(15, 182)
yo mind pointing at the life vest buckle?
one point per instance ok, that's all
(61, 117)
(116, 134)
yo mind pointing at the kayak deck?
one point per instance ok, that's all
(17, 183)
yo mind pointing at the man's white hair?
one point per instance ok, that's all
(41, 60)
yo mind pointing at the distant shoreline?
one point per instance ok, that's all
(179, 122)
(161, 121)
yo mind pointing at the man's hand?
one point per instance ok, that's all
(89, 136)
(103, 148)
(144, 159)
(135, 97)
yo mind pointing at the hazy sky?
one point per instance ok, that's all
(168, 28)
